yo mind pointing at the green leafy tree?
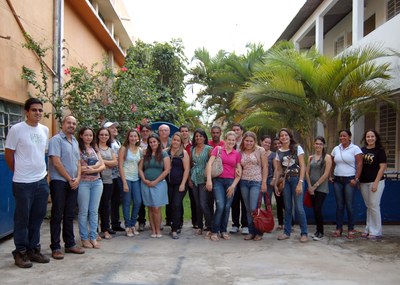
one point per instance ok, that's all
(307, 87)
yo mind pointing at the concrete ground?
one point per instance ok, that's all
(195, 260)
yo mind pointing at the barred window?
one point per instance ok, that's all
(339, 45)
(387, 130)
(10, 114)
(393, 8)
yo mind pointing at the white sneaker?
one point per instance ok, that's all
(234, 230)
(245, 231)
(134, 231)
(128, 232)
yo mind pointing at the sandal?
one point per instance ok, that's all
(258, 237)
(214, 237)
(248, 237)
(364, 235)
(95, 244)
(86, 244)
(351, 234)
(174, 235)
(337, 233)
(208, 235)
(199, 232)
(225, 236)
(107, 235)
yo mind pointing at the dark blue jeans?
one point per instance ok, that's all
(222, 204)
(116, 200)
(64, 201)
(204, 205)
(104, 207)
(30, 210)
(344, 194)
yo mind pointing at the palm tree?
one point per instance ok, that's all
(221, 77)
(311, 87)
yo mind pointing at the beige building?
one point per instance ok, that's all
(76, 32)
(332, 26)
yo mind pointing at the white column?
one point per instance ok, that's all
(358, 20)
(319, 34)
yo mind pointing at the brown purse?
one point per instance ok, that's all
(281, 183)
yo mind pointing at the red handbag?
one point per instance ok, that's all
(263, 219)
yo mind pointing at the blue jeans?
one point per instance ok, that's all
(250, 192)
(289, 195)
(222, 204)
(30, 210)
(89, 195)
(135, 196)
(64, 200)
(344, 194)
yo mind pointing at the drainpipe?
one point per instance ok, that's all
(58, 35)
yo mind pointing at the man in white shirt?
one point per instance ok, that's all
(25, 149)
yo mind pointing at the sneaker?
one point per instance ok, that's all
(317, 236)
(234, 230)
(35, 256)
(141, 227)
(128, 232)
(22, 260)
(134, 231)
(245, 231)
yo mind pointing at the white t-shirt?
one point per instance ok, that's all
(345, 160)
(29, 144)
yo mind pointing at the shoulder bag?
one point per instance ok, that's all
(263, 219)
(217, 167)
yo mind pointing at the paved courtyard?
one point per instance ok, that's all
(194, 260)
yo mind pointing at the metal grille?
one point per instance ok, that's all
(10, 114)
(387, 130)
(393, 8)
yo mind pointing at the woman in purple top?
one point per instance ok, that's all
(224, 185)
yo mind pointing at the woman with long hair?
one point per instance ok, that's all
(203, 197)
(178, 175)
(317, 174)
(347, 166)
(266, 143)
(153, 169)
(110, 161)
(90, 188)
(372, 182)
(290, 163)
(254, 164)
(224, 185)
(129, 157)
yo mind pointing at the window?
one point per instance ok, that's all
(10, 114)
(369, 25)
(387, 130)
(339, 45)
(393, 8)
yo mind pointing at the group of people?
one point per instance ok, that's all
(96, 173)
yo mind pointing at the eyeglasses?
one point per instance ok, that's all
(36, 110)
(103, 135)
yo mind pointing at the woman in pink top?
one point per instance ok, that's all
(224, 185)
(254, 178)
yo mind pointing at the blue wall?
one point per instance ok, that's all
(389, 205)
(7, 204)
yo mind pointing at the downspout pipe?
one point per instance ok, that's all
(58, 35)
